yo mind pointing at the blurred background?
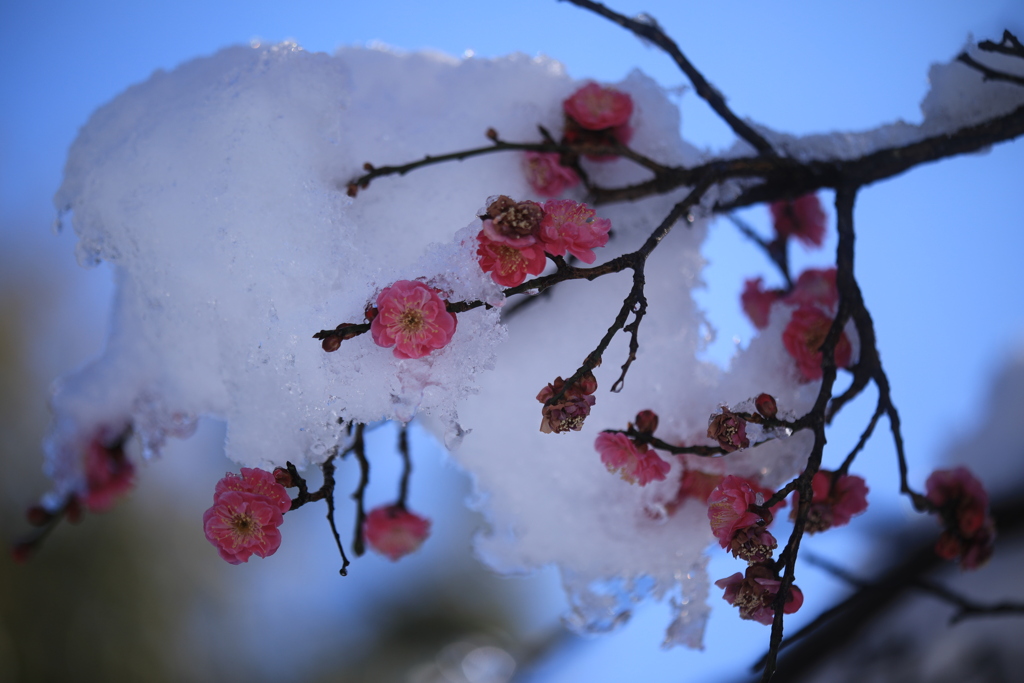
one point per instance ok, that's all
(139, 594)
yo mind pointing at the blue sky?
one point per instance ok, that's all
(937, 248)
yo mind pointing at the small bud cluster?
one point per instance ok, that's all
(836, 499)
(571, 409)
(962, 503)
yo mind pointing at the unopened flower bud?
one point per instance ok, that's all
(283, 477)
(646, 422)
(37, 515)
(352, 190)
(370, 313)
(331, 344)
(765, 404)
(368, 166)
(492, 134)
(588, 383)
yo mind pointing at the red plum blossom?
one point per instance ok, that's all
(569, 412)
(247, 509)
(757, 301)
(571, 226)
(833, 503)
(634, 465)
(546, 175)
(755, 592)
(732, 522)
(109, 474)
(803, 338)
(801, 218)
(729, 430)
(595, 107)
(412, 318)
(394, 532)
(963, 504)
(509, 266)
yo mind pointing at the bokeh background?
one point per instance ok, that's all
(138, 593)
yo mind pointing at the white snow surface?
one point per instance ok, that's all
(217, 193)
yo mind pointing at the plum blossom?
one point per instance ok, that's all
(412, 318)
(394, 532)
(755, 592)
(729, 430)
(802, 218)
(636, 465)
(697, 484)
(546, 175)
(259, 482)
(646, 421)
(569, 412)
(598, 116)
(963, 504)
(815, 287)
(571, 226)
(509, 266)
(803, 338)
(833, 502)
(595, 107)
(109, 474)
(757, 301)
(247, 510)
(734, 525)
(511, 222)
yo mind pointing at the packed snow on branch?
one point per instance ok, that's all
(217, 193)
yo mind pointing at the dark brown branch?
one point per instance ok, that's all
(845, 198)
(785, 178)
(328, 489)
(988, 73)
(868, 431)
(499, 145)
(359, 448)
(777, 250)
(858, 612)
(651, 32)
(403, 449)
(1009, 45)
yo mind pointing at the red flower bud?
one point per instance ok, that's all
(646, 421)
(765, 404)
(283, 477)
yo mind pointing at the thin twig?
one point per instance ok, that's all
(845, 467)
(328, 489)
(359, 448)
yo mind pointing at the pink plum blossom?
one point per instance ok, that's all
(594, 107)
(802, 218)
(509, 266)
(729, 430)
(412, 318)
(259, 482)
(815, 287)
(546, 175)
(962, 503)
(109, 474)
(697, 484)
(242, 524)
(833, 504)
(635, 465)
(394, 532)
(571, 226)
(757, 301)
(803, 338)
(755, 592)
(732, 521)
